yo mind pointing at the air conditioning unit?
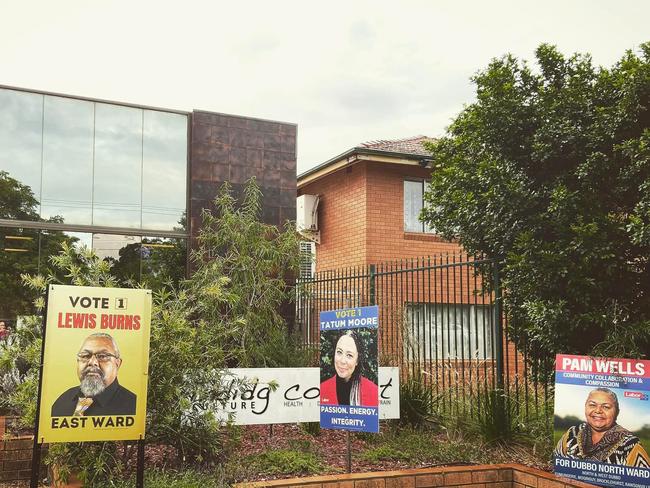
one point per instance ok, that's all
(307, 217)
(307, 213)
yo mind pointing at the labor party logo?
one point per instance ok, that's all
(95, 365)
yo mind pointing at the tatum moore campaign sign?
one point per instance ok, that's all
(602, 420)
(349, 376)
(95, 364)
(289, 395)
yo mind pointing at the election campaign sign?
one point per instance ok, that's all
(289, 395)
(95, 364)
(602, 420)
(349, 393)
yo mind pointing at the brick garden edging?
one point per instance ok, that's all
(481, 476)
(16, 458)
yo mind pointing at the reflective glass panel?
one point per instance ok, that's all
(21, 131)
(67, 160)
(50, 246)
(118, 166)
(18, 254)
(164, 170)
(123, 252)
(163, 261)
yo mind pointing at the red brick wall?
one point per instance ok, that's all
(361, 217)
(16, 458)
(485, 476)
(341, 217)
(386, 238)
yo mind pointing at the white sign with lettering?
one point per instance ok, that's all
(289, 395)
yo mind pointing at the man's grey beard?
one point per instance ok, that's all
(92, 385)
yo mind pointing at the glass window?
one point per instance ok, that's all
(21, 133)
(19, 253)
(118, 166)
(122, 251)
(163, 261)
(164, 170)
(448, 331)
(413, 203)
(67, 160)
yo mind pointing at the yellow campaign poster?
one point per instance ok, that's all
(95, 364)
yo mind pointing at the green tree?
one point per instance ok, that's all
(22, 251)
(548, 171)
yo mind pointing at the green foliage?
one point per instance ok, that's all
(17, 201)
(286, 461)
(418, 446)
(502, 418)
(225, 315)
(311, 428)
(385, 453)
(416, 404)
(241, 272)
(173, 479)
(548, 171)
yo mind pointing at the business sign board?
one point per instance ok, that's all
(290, 395)
(349, 392)
(602, 420)
(95, 364)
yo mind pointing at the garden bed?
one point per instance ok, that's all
(290, 449)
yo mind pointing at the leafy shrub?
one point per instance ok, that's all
(286, 461)
(385, 453)
(226, 314)
(173, 479)
(311, 428)
(416, 403)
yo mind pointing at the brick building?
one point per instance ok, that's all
(369, 199)
(371, 248)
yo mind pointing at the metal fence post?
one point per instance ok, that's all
(373, 290)
(498, 326)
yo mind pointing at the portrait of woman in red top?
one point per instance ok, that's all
(348, 386)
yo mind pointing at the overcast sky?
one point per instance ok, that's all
(344, 71)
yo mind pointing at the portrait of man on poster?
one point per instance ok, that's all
(99, 391)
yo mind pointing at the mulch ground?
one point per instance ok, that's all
(330, 445)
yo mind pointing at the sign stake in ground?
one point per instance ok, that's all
(349, 373)
(94, 368)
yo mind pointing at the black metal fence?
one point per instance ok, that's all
(442, 324)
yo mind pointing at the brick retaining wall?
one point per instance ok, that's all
(16, 458)
(484, 476)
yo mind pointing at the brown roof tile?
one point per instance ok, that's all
(410, 145)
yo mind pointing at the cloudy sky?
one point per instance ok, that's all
(344, 71)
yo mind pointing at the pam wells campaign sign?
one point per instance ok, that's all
(602, 420)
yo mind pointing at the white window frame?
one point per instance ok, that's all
(411, 214)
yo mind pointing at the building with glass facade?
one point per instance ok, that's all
(127, 180)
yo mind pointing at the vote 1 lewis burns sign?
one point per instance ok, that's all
(95, 364)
